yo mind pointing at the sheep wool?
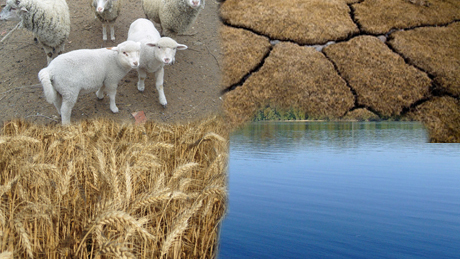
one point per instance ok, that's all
(87, 70)
(49, 20)
(156, 52)
(174, 16)
(111, 10)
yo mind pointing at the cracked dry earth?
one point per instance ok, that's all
(191, 84)
(344, 59)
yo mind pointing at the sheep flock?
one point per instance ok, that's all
(49, 21)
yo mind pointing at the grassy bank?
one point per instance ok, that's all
(99, 189)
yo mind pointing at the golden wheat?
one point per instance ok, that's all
(101, 189)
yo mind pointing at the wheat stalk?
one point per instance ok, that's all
(2, 218)
(41, 210)
(113, 174)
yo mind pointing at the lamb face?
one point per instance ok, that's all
(12, 11)
(165, 50)
(128, 53)
(194, 3)
(101, 5)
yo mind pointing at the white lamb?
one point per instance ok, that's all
(87, 70)
(107, 12)
(49, 20)
(153, 59)
(174, 16)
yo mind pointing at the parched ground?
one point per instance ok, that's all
(191, 84)
(344, 59)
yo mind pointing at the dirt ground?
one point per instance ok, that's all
(191, 84)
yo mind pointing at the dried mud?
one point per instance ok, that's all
(394, 56)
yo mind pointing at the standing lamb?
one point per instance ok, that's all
(153, 59)
(49, 20)
(174, 16)
(87, 70)
(107, 12)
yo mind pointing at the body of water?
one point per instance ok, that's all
(341, 190)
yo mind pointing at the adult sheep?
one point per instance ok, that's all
(107, 12)
(174, 16)
(154, 59)
(87, 70)
(49, 20)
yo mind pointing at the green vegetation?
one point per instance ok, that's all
(272, 112)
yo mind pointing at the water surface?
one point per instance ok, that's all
(341, 190)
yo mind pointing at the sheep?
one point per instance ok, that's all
(49, 20)
(174, 16)
(87, 70)
(107, 12)
(419, 2)
(154, 59)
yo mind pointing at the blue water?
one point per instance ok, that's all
(341, 190)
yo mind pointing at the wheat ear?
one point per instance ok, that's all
(212, 135)
(6, 187)
(6, 255)
(120, 218)
(214, 190)
(128, 182)
(181, 226)
(156, 197)
(65, 180)
(116, 249)
(181, 170)
(24, 237)
(19, 139)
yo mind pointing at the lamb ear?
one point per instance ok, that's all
(151, 44)
(112, 48)
(181, 47)
(23, 9)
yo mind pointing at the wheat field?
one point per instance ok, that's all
(98, 189)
